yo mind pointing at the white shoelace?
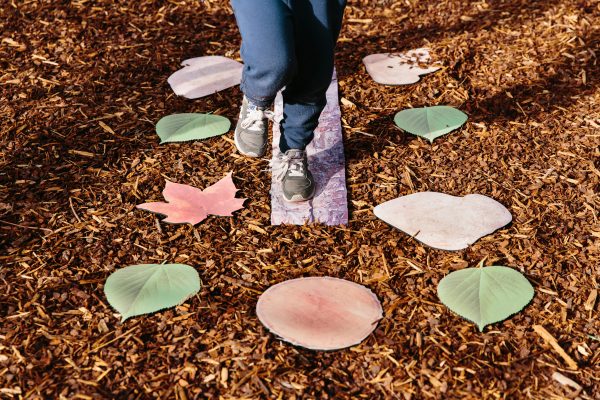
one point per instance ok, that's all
(292, 163)
(255, 119)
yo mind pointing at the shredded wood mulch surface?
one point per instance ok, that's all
(82, 85)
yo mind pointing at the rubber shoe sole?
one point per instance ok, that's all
(239, 148)
(298, 198)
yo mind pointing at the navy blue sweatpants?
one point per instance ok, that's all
(289, 43)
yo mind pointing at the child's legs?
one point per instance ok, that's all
(267, 30)
(316, 28)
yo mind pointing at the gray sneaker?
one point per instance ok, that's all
(251, 132)
(297, 182)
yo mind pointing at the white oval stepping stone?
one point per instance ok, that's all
(202, 76)
(399, 68)
(443, 221)
(319, 313)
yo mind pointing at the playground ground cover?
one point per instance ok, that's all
(82, 85)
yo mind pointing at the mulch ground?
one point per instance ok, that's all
(81, 86)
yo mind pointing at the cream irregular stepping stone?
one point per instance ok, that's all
(399, 68)
(443, 221)
(203, 76)
(319, 313)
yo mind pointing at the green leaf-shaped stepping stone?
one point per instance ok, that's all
(191, 126)
(146, 288)
(485, 295)
(430, 122)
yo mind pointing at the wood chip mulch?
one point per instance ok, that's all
(82, 84)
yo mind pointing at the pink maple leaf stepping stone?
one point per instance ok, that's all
(326, 162)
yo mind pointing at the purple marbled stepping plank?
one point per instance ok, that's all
(326, 162)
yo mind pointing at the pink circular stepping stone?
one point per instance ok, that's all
(319, 313)
(202, 76)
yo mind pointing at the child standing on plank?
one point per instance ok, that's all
(286, 43)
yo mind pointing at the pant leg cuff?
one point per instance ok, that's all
(257, 100)
(283, 148)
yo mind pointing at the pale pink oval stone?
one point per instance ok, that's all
(319, 313)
